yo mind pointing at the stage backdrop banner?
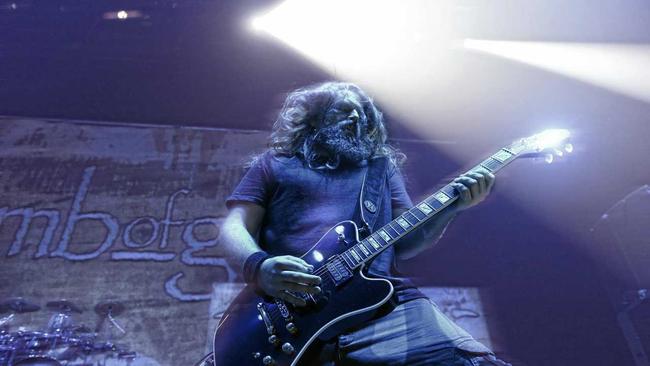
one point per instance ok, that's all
(96, 213)
(129, 215)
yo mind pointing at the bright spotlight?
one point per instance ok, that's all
(123, 14)
(356, 37)
(618, 67)
(257, 23)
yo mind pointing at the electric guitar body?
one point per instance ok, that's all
(259, 330)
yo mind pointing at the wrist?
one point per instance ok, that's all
(252, 266)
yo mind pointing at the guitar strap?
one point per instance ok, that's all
(371, 195)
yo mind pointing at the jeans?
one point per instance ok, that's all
(414, 333)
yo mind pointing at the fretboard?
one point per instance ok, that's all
(392, 232)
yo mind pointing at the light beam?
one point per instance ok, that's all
(622, 68)
(358, 39)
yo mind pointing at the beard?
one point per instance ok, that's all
(335, 145)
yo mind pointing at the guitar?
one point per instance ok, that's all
(258, 330)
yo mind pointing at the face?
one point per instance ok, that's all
(341, 136)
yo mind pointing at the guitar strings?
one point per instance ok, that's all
(322, 270)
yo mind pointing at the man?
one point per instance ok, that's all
(310, 178)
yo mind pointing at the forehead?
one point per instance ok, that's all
(347, 100)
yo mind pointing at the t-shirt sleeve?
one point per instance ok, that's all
(399, 197)
(256, 186)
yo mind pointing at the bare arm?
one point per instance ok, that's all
(238, 230)
(277, 275)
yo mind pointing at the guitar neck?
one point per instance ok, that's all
(392, 232)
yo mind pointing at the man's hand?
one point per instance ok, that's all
(280, 274)
(473, 188)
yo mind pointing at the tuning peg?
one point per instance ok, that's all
(568, 148)
(558, 152)
(548, 158)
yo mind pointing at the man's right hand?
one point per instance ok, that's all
(280, 274)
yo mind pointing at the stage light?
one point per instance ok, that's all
(622, 68)
(257, 23)
(122, 15)
(357, 39)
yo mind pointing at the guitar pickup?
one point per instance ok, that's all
(338, 270)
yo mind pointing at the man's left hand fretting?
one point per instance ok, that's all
(473, 188)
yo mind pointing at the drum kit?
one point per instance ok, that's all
(62, 343)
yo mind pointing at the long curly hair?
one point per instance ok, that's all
(303, 111)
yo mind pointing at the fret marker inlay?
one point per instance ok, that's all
(425, 208)
(364, 249)
(385, 236)
(374, 243)
(442, 197)
(355, 255)
(403, 223)
(502, 155)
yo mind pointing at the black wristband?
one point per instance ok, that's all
(252, 266)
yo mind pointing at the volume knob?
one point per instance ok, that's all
(274, 340)
(292, 328)
(287, 348)
(268, 360)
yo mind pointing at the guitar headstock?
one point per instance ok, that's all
(547, 144)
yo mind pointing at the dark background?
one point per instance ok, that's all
(194, 63)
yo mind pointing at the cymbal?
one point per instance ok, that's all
(63, 305)
(18, 305)
(113, 307)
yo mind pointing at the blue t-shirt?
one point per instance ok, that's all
(302, 204)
